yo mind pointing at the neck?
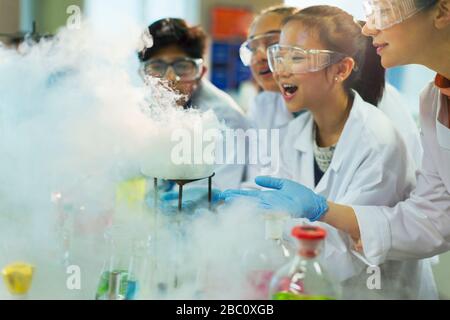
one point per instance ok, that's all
(437, 60)
(330, 116)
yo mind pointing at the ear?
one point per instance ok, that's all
(204, 71)
(344, 69)
(442, 19)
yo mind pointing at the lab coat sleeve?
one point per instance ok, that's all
(416, 228)
(384, 177)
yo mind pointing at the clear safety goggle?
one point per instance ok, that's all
(185, 69)
(297, 60)
(260, 42)
(383, 14)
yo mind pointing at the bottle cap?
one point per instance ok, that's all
(309, 233)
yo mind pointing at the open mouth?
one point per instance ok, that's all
(380, 46)
(289, 90)
(265, 72)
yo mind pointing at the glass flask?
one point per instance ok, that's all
(125, 267)
(304, 278)
(261, 264)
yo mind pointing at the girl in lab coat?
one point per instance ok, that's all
(269, 111)
(344, 149)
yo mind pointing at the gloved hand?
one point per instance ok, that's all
(286, 196)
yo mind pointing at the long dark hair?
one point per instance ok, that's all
(340, 32)
(374, 75)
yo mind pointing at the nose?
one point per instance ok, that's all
(260, 55)
(282, 72)
(368, 31)
(171, 75)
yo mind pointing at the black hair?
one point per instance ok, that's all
(377, 73)
(175, 32)
(426, 3)
(340, 32)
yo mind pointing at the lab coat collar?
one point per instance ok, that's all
(442, 125)
(305, 134)
(351, 130)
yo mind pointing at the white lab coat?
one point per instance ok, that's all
(209, 97)
(420, 226)
(269, 111)
(394, 106)
(371, 165)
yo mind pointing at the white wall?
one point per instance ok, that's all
(108, 14)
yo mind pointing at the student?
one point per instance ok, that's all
(391, 103)
(178, 56)
(269, 110)
(419, 227)
(344, 148)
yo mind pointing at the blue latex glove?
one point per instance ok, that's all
(192, 198)
(286, 196)
(166, 185)
(194, 194)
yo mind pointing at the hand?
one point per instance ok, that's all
(286, 196)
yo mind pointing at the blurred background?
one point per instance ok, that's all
(226, 22)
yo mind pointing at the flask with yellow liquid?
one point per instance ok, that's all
(18, 277)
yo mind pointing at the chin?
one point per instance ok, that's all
(272, 88)
(268, 85)
(292, 106)
(388, 61)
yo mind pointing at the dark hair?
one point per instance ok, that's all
(373, 67)
(340, 32)
(426, 3)
(175, 32)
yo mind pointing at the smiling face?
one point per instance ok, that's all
(308, 89)
(260, 69)
(403, 43)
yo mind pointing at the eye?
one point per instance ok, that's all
(156, 66)
(185, 67)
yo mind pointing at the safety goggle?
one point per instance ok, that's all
(297, 60)
(383, 14)
(185, 69)
(260, 42)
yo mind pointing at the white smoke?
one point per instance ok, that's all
(76, 120)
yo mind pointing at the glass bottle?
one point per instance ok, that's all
(262, 263)
(304, 278)
(119, 279)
